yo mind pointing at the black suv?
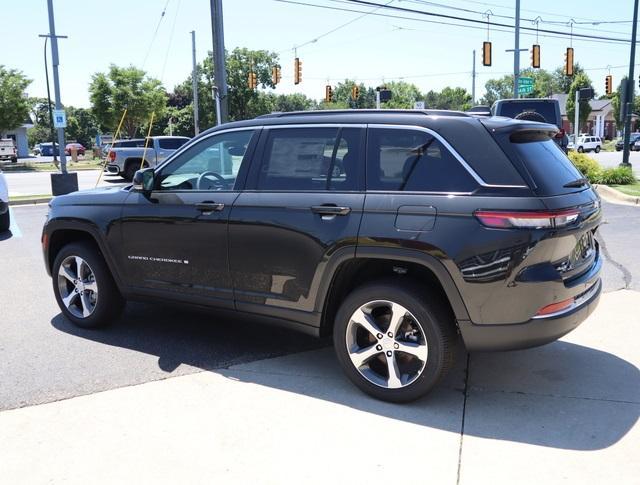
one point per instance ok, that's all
(399, 232)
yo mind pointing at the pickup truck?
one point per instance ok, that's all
(127, 156)
(8, 150)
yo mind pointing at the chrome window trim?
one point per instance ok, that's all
(452, 150)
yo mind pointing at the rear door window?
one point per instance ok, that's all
(547, 164)
(415, 161)
(171, 143)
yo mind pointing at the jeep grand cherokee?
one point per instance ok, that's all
(399, 232)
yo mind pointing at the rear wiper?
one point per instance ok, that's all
(577, 183)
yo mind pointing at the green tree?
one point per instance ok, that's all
(403, 95)
(579, 81)
(293, 102)
(342, 97)
(496, 89)
(561, 82)
(449, 98)
(14, 103)
(82, 126)
(39, 112)
(130, 88)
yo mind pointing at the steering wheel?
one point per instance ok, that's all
(204, 174)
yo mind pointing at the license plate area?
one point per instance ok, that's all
(582, 254)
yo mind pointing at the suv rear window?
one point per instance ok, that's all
(513, 109)
(547, 164)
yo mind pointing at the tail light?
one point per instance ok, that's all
(112, 156)
(560, 133)
(529, 220)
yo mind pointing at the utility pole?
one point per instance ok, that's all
(195, 76)
(377, 98)
(46, 73)
(56, 83)
(220, 73)
(629, 110)
(473, 80)
(576, 120)
(516, 53)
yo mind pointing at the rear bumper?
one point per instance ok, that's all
(537, 331)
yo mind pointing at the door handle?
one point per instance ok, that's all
(330, 210)
(209, 206)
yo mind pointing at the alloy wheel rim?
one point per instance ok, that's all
(386, 344)
(77, 287)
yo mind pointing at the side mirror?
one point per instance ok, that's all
(143, 180)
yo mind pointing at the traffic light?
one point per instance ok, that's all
(275, 74)
(535, 56)
(568, 62)
(486, 53)
(355, 92)
(607, 84)
(253, 80)
(297, 71)
(328, 94)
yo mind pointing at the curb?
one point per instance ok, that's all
(615, 196)
(39, 200)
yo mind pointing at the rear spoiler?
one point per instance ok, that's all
(508, 126)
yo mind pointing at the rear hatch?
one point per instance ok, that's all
(573, 213)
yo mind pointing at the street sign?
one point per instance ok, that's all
(59, 118)
(525, 89)
(525, 81)
(418, 105)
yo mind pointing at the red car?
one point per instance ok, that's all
(78, 146)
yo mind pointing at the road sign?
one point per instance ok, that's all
(525, 81)
(59, 118)
(418, 105)
(525, 89)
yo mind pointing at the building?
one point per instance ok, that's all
(19, 136)
(601, 109)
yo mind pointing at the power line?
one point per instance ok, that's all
(563, 35)
(173, 28)
(483, 22)
(155, 33)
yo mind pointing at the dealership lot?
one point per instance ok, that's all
(132, 400)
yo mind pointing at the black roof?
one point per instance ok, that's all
(439, 120)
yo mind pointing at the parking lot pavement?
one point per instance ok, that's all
(567, 412)
(39, 183)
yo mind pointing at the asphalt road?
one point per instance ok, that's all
(44, 358)
(613, 159)
(39, 183)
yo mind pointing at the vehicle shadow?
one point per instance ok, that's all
(6, 235)
(562, 395)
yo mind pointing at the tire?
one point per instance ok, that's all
(130, 170)
(14, 160)
(427, 330)
(5, 221)
(580, 149)
(597, 149)
(98, 302)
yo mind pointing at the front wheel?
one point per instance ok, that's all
(580, 149)
(84, 288)
(394, 340)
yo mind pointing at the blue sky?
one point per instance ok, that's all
(372, 49)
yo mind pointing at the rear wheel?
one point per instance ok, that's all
(130, 171)
(14, 160)
(580, 149)
(597, 149)
(5, 221)
(84, 288)
(394, 340)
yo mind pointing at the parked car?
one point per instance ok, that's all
(543, 110)
(440, 226)
(586, 143)
(5, 216)
(127, 156)
(633, 137)
(46, 149)
(8, 150)
(78, 146)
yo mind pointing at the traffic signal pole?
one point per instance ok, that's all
(576, 120)
(473, 80)
(194, 81)
(516, 53)
(629, 110)
(219, 69)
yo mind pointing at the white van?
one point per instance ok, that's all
(8, 150)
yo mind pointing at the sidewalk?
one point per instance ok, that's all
(563, 413)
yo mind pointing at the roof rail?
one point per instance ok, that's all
(320, 112)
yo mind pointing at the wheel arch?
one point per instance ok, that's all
(372, 263)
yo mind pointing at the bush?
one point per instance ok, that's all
(617, 176)
(587, 165)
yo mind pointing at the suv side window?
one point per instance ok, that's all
(171, 143)
(412, 160)
(310, 159)
(211, 164)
